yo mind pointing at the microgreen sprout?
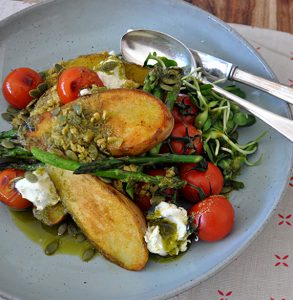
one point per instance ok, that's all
(218, 118)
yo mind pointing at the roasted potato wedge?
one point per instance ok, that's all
(91, 61)
(128, 122)
(51, 215)
(111, 221)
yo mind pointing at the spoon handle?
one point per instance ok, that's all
(281, 91)
(279, 123)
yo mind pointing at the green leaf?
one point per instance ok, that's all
(235, 90)
(130, 189)
(244, 119)
(168, 62)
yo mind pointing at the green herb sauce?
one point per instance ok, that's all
(43, 235)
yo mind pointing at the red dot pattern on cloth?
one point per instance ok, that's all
(285, 219)
(225, 295)
(281, 260)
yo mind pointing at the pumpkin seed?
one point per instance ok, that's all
(52, 247)
(108, 66)
(106, 180)
(42, 87)
(88, 136)
(62, 229)
(166, 87)
(31, 177)
(58, 68)
(35, 93)
(72, 230)
(57, 152)
(43, 75)
(77, 109)
(62, 119)
(7, 117)
(88, 254)
(75, 120)
(12, 110)
(80, 237)
(93, 151)
(71, 155)
(14, 180)
(7, 144)
(55, 111)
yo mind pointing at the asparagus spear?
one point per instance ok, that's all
(27, 165)
(146, 160)
(126, 176)
(15, 152)
(12, 133)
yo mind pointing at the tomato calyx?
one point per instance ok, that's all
(184, 109)
(192, 227)
(188, 141)
(202, 180)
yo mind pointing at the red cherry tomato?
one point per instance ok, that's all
(213, 217)
(210, 182)
(184, 139)
(72, 80)
(8, 194)
(184, 110)
(143, 196)
(17, 85)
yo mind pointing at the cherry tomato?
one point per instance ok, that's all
(8, 194)
(184, 110)
(143, 195)
(73, 79)
(213, 217)
(184, 139)
(209, 182)
(17, 85)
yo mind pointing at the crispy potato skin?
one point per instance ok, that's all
(138, 118)
(111, 221)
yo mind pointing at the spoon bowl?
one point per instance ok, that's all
(136, 45)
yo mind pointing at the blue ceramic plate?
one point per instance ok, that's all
(44, 34)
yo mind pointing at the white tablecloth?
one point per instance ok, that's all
(265, 270)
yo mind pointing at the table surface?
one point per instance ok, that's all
(272, 14)
(265, 270)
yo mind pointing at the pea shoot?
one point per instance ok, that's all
(218, 118)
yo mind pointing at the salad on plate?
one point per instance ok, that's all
(133, 160)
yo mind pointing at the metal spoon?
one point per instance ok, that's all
(137, 44)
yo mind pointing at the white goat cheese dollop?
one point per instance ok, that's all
(170, 213)
(41, 193)
(113, 80)
(111, 71)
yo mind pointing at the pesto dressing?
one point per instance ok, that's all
(43, 235)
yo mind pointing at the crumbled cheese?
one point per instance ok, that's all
(154, 241)
(112, 73)
(172, 214)
(84, 92)
(113, 80)
(41, 193)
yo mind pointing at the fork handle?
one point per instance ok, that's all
(281, 91)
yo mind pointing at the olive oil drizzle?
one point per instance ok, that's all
(44, 235)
